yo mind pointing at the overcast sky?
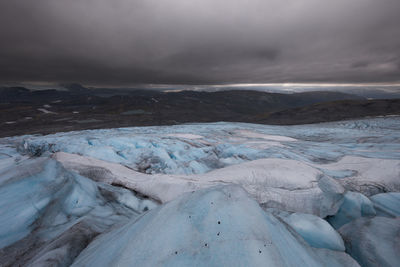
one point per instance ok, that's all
(123, 42)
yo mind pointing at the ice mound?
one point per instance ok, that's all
(285, 184)
(369, 176)
(387, 204)
(48, 214)
(355, 205)
(219, 226)
(317, 232)
(373, 242)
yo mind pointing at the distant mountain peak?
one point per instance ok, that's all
(74, 87)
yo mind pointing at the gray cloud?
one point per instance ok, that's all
(199, 41)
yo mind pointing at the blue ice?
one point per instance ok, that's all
(355, 205)
(387, 204)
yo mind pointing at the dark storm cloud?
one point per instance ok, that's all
(199, 41)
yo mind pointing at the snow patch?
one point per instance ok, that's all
(46, 111)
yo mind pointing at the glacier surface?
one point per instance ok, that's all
(93, 196)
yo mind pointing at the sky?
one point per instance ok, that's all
(125, 42)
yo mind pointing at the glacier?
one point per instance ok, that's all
(309, 192)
